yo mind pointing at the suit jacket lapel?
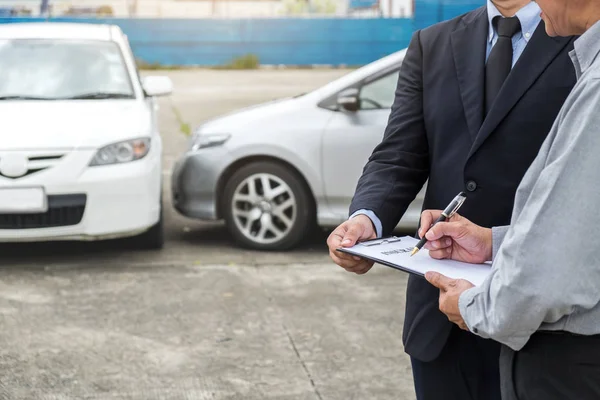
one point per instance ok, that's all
(538, 54)
(469, 61)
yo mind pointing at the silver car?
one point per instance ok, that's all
(274, 170)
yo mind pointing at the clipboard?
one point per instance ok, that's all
(378, 242)
(394, 252)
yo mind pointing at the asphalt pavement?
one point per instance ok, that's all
(200, 319)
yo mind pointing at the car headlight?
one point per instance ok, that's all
(122, 152)
(203, 140)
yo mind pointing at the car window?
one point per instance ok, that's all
(61, 69)
(380, 93)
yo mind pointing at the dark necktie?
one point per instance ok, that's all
(499, 62)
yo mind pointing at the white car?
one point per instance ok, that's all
(80, 151)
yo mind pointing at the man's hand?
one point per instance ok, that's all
(450, 291)
(457, 238)
(356, 229)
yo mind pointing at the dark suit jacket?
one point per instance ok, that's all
(437, 131)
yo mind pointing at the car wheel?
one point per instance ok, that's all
(153, 238)
(267, 206)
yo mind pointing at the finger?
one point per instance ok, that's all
(361, 267)
(438, 280)
(453, 230)
(336, 236)
(352, 235)
(346, 256)
(438, 244)
(427, 218)
(334, 242)
(350, 263)
(357, 266)
(345, 263)
(334, 257)
(441, 254)
(338, 255)
(364, 270)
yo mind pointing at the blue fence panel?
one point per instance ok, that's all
(454, 8)
(275, 41)
(284, 41)
(428, 12)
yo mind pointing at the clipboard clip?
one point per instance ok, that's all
(377, 242)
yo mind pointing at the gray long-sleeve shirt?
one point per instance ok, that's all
(546, 266)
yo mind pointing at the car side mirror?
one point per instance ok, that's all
(348, 99)
(157, 85)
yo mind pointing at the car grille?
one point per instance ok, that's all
(36, 162)
(63, 210)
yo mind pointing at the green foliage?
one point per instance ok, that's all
(143, 65)
(324, 7)
(105, 11)
(302, 7)
(295, 7)
(247, 61)
(184, 127)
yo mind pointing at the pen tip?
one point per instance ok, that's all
(414, 251)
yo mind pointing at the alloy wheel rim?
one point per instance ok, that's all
(264, 208)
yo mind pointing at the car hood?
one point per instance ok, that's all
(245, 117)
(37, 125)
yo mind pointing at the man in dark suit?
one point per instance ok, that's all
(476, 97)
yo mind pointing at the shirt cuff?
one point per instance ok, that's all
(376, 221)
(465, 300)
(474, 316)
(498, 233)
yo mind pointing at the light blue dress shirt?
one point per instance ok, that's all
(529, 17)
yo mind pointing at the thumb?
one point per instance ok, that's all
(452, 229)
(438, 280)
(352, 235)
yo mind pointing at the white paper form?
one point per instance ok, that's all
(395, 252)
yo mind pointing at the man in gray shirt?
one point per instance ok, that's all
(542, 299)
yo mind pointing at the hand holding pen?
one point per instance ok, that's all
(456, 239)
(448, 213)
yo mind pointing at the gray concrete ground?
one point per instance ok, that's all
(200, 319)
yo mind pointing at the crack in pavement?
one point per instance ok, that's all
(312, 382)
(272, 300)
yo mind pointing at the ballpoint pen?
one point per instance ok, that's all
(446, 214)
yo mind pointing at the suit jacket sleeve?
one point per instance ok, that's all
(398, 167)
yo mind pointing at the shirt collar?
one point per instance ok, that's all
(529, 17)
(587, 48)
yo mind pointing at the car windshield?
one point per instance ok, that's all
(62, 69)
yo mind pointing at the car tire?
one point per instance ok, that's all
(287, 202)
(154, 237)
